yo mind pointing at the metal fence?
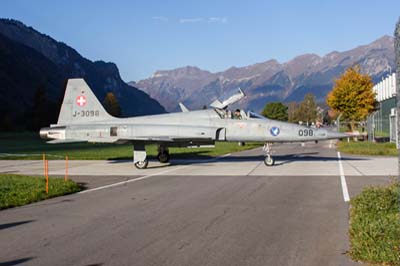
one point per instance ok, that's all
(383, 129)
(381, 125)
(393, 128)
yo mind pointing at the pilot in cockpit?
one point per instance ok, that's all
(237, 114)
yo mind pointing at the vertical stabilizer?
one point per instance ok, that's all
(80, 105)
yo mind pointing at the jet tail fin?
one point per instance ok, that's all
(80, 105)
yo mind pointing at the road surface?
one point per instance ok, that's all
(227, 211)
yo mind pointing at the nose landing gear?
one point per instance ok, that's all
(268, 160)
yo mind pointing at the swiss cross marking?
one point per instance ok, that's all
(81, 100)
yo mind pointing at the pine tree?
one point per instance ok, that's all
(39, 113)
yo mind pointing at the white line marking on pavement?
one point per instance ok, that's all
(132, 180)
(345, 191)
(255, 167)
(147, 176)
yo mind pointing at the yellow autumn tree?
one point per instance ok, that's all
(352, 96)
(111, 105)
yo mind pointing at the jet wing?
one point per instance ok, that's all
(150, 139)
(112, 140)
(61, 141)
(165, 139)
(171, 133)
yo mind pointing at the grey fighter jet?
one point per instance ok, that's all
(83, 119)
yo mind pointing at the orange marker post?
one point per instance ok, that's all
(47, 177)
(44, 163)
(66, 168)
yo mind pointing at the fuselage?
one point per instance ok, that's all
(202, 126)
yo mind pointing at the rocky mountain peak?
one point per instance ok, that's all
(301, 64)
(44, 44)
(182, 72)
(269, 80)
(45, 63)
(382, 42)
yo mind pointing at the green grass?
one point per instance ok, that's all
(28, 146)
(346, 129)
(18, 190)
(368, 148)
(375, 225)
(382, 134)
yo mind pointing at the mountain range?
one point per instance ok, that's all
(31, 61)
(268, 81)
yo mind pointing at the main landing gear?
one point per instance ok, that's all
(268, 160)
(163, 154)
(140, 157)
(142, 164)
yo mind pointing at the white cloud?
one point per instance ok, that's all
(217, 20)
(190, 20)
(160, 18)
(222, 20)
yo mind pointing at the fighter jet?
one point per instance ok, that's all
(83, 119)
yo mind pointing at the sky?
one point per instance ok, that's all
(142, 37)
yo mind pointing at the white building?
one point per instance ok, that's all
(383, 122)
(385, 89)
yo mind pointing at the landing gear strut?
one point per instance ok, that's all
(268, 160)
(163, 154)
(139, 156)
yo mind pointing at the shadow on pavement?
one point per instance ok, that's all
(289, 158)
(279, 159)
(9, 225)
(16, 262)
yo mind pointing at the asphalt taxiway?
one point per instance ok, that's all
(231, 210)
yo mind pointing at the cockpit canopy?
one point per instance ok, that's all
(222, 108)
(241, 115)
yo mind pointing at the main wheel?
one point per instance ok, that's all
(163, 157)
(269, 161)
(142, 164)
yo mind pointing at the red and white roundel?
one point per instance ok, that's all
(81, 100)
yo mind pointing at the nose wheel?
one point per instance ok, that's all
(268, 160)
